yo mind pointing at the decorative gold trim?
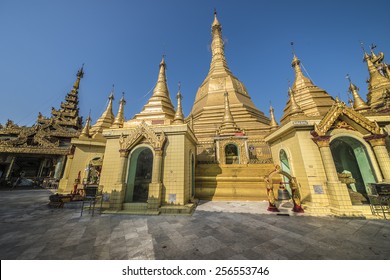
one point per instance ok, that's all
(156, 140)
(376, 140)
(322, 141)
(341, 109)
(240, 143)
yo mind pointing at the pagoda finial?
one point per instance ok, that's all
(215, 22)
(358, 103)
(218, 60)
(106, 119)
(80, 75)
(85, 131)
(163, 60)
(372, 47)
(273, 122)
(119, 119)
(111, 96)
(228, 126)
(294, 109)
(179, 116)
(228, 114)
(161, 88)
(366, 57)
(292, 48)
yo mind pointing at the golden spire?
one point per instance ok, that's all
(80, 74)
(350, 102)
(308, 98)
(379, 81)
(119, 119)
(228, 115)
(85, 132)
(300, 79)
(358, 103)
(273, 122)
(209, 106)
(159, 107)
(294, 108)
(217, 46)
(215, 22)
(228, 126)
(179, 117)
(67, 116)
(161, 88)
(106, 119)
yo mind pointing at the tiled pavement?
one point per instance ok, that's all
(217, 230)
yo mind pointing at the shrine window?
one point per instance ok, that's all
(231, 154)
(94, 169)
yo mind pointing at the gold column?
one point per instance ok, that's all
(67, 166)
(327, 158)
(63, 185)
(118, 194)
(11, 165)
(379, 146)
(42, 163)
(121, 174)
(157, 162)
(155, 187)
(59, 167)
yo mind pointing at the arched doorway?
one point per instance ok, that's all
(139, 175)
(285, 166)
(352, 163)
(231, 154)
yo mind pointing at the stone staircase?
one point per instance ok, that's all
(232, 181)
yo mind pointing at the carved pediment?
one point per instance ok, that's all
(36, 136)
(342, 117)
(142, 132)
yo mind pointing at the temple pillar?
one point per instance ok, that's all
(9, 170)
(155, 187)
(67, 166)
(117, 196)
(327, 158)
(41, 166)
(63, 184)
(337, 192)
(59, 168)
(378, 144)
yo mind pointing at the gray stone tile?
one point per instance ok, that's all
(217, 230)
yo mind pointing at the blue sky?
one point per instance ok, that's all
(44, 43)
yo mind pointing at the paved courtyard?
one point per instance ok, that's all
(29, 229)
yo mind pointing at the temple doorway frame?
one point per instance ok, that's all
(132, 170)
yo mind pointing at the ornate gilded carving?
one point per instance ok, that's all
(42, 139)
(376, 140)
(322, 141)
(241, 146)
(342, 125)
(378, 97)
(341, 109)
(156, 140)
(68, 114)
